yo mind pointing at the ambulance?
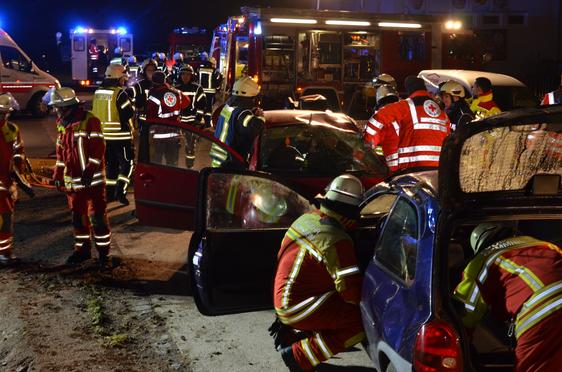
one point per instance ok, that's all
(21, 77)
(93, 49)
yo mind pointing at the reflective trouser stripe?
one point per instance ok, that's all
(309, 354)
(286, 318)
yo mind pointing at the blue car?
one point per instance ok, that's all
(413, 240)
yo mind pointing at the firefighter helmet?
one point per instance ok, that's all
(132, 60)
(385, 79)
(118, 51)
(187, 68)
(386, 90)
(245, 87)
(8, 103)
(269, 207)
(61, 97)
(453, 88)
(114, 71)
(149, 62)
(162, 56)
(486, 234)
(346, 189)
(178, 56)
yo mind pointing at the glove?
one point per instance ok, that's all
(283, 335)
(87, 177)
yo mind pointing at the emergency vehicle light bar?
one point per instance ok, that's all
(336, 22)
(295, 20)
(399, 25)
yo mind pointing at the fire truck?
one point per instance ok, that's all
(191, 42)
(93, 49)
(337, 54)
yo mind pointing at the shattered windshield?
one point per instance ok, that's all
(504, 159)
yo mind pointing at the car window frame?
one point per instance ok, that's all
(20, 54)
(382, 266)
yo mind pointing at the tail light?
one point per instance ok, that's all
(437, 348)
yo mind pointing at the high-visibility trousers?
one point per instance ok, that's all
(335, 326)
(89, 217)
(6, 222)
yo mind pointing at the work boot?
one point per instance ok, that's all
(122, 198)
(103, 260)
(8, 259)
(289, 359)
(77, 257)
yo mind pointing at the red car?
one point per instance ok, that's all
(305, 149)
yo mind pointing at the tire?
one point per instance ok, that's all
(390, 368)
(37, 107)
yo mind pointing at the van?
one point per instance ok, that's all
(22, 78)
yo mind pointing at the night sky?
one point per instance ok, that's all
(33, 23)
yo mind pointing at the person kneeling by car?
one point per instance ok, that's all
(318, 283)
(520, 279)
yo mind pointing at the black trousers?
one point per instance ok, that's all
(119, 162)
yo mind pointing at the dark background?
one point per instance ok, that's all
(33, 23)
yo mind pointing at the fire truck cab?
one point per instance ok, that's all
(93, 49)
(292, 52)
(191, 42)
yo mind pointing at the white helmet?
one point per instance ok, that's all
(162, 56)
(245, 87)
(385, 79)
(115, 71)
(346, 189)
(386, 90)
(178, 56)
(453, 88)
(8, 103)
(61, 97)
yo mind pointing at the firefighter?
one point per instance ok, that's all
(211, 80)
(113, 107)
(456, 107)
(385, 79)
(80, 172)
(483, 104)
(411, 131)
(117, 57)
(139, 91)
(12, 157)
(317, 284)
(386, 94)
(239, 122)
(554, 97)
(176, 68)
(519, 278)
(165, 103)
(194, 113)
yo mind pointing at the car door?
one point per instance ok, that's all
(241, 220)
(171, 156)
(16, 73)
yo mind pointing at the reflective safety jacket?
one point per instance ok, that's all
(139, 94)
(210, 79)
(237, 127)
(11, 153)
(114, 109)
(410, 132)
(80, 150)
(165, 103)
(519, 278)
(196, 110)
(484, 106)
(316, 260)
(552, 98)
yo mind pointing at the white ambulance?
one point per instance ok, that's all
(22, 78)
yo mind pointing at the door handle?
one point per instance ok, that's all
(146, 177)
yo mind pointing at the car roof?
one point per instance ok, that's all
(280, 118)
(467, 77)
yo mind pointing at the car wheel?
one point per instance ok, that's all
(37, 107)
(390, 368)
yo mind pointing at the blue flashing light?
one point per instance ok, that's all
(121, 30)
(257, 29)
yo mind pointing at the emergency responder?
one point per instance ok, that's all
(317, 284)
(176, 68)
(132, 67)
(211, 80)
(194, 113)
(165, 103)
(385, 79)
(117, 57)
(554, 97)
(112, 106)
(458, 111)
(520, 279)
(483, 104)
(80, 172)
(411, 131)
(386, 94)
(239, 122)
(12, 157)
(139, 91)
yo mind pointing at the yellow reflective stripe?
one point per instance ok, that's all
(231, 198)
(309, 354)
(323, 346)
(524, 274)
(246, 120)
(308, 310)
(304, 242)
(533, 317)
(296, 308)
(292, 276)
(347, 271)
(81, 153)
(354, 340)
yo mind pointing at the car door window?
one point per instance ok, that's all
(250, 202)
(13, 59)
(379, 206)
(396, 250)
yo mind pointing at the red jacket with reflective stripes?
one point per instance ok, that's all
(410, 132)
(11, 149)
(552, 98)
(165, 103)
(80, 150)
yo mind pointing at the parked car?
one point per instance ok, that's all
(509, 93)
(305, 148)
(413, 240)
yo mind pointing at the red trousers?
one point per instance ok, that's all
(89, 213)
(336, 325)
(539, 349)
(6, 222)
